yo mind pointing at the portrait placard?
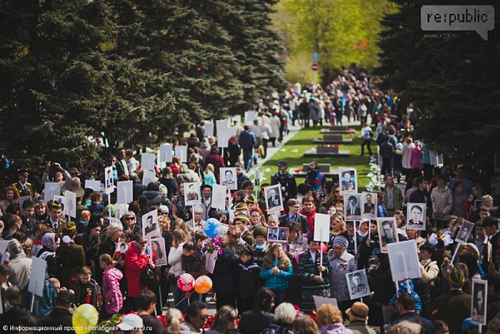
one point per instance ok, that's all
(109, 179)
(277, 234)
(274, 201)
(369, 203)
(192, 193)
(479, 301)
(229, 178)
(320, 301)
(222, 127)
(158, 247)
(415, 213)
(357, 283)
(348, 180)
(150, 226)
(352, 206)
(464, 232)
(387, 232)
(250, 116)
(403, 259)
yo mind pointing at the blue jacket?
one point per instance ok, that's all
(403, 289)
(247, 140)
(277, 282)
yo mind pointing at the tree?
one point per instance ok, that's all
(342, 32)
(452, 81)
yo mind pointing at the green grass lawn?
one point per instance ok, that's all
(293, 153)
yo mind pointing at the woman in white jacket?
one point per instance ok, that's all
(179, 238)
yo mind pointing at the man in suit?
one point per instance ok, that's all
(273, 200)
(293, 215)
(56, 219)
(345, 181)
(455, 306)
(353, 208)
(387, 232)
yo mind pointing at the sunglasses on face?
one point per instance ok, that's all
(129, 218)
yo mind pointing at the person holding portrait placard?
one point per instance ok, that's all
(341, 263)
(421, 195)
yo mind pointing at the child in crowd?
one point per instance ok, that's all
(261, 245)
(113, 298)
(86, 289)
(248, 280)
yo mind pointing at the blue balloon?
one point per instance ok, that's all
(211, 227)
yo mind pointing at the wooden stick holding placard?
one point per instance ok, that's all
(321, 250)
(355, 239)
(109, 206)
(33, 297)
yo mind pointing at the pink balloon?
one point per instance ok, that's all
(186, 282)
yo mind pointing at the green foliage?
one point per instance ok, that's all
(342, 32)
(130, 71)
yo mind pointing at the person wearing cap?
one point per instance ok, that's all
(248, 280)
(342, 263)
(71, 257)
(293, 215)
(406, 307)
(56, 217)
(241, 221)
(286, 180)
(61, 315)
(469, 327)
(131, 323)
(455, 306)
(22, 187)
(358, 316)
(261, 245)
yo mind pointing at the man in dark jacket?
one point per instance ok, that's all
(247, 143)
(254, 321)
(241, 177)
(286, 180)
(60, 316)
(407, 310)
(293, 215)
(421, 195)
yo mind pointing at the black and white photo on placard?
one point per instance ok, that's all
(352, 207)
(387, 232)
(415, 213)
(273, 197)
(357, 283)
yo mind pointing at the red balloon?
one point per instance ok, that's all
(186, 282)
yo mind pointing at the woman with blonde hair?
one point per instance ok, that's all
(179, 224)
(277, 271)
(209, 175)
(224, 320)
(330, 320)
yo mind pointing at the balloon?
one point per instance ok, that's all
(203, 284)
(211, 227)
(185, 282)
(84, 319)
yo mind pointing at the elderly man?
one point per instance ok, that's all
(19, 264)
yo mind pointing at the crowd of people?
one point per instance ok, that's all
(102, 258)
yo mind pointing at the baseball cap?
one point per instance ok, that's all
(282, 163)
